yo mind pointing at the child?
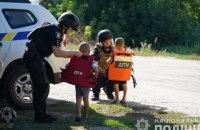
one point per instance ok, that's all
(120, 72)
(80, 72)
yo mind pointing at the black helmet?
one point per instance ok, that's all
(104, 35)
(67, 20)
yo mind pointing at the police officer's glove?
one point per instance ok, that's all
(77, 53)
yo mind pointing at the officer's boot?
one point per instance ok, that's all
(109, 93)
(41, 118)
(96, 97)
(50, 117)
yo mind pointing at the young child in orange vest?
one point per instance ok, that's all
(119, 46)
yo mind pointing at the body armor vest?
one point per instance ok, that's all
(103, 57)
(79, 72)
(120, 68)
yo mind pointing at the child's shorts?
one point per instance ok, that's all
(82, 91)
(118, 82)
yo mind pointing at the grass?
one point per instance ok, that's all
(177, 51)
(106, 115)
(167, 54)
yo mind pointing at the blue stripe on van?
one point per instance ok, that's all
(2, 36)
(21, 35)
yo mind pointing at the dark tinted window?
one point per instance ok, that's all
(19, 18)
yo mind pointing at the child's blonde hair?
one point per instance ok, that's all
(84, 47)
(119, 41)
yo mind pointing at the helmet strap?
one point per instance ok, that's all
(64, 30)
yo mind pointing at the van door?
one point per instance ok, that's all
(18, 23)
(4, 41)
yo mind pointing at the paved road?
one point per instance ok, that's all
(163, 84)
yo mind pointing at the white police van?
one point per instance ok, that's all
(17, 19)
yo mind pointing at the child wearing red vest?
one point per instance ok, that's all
(81, 72)
(81, 91)
(119, 69)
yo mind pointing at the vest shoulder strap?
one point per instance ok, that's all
(125, 53)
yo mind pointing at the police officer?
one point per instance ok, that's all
(102, 52)
(1, 64)
(44, 41)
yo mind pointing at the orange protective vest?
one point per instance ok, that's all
(120, 68)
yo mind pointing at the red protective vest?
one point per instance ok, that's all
(120, 68)
(79, 72)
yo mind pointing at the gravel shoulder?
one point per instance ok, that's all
(164, 83)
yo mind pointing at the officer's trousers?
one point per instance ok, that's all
(102, 82)
(36, 67)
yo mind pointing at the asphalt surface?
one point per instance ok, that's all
(164, 84)
(168, 82)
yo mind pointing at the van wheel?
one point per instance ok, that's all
(18, 88)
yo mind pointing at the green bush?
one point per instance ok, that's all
(179, 49)
(196, 48)
(145, 47)
(173, 23)
(87, 32)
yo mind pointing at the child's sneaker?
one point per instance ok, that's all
(122, 102)
(114, 102)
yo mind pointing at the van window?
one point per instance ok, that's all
(19, 18)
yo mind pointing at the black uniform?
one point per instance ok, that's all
(40, 46)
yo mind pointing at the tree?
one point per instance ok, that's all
(172, 22)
